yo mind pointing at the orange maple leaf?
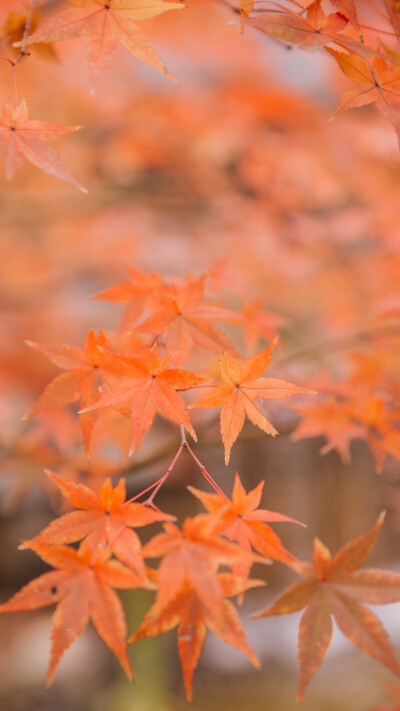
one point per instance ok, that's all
(335, 586)
(150, 385)
(188, 610)
(80, 382)
(193, 556)
(245, 523)
(104, 520)
(316, 30)
(140, 291)
(107, 23)
(334, 420)
(259, 324)
(22, 137)
(82, 588)
(186, 320)
(360, 415)
(311, 32)
(241, 386)
(393, 13)
(246, 7)
(377, 83)
(349, 10)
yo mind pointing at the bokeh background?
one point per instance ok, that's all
(234, 171)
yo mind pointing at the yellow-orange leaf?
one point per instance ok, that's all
(241, 387)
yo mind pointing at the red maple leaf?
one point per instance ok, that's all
(20, 137)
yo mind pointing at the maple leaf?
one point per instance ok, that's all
(107, 23)
(186, 320)
(258, 324)
(82, 587)
(334, 420)
(192, 556)
(357, 416)
(314, 31)
(79, 382)
(393, 12)
(104, 520)
(241, 386)
(142, 289)
(310, 32)
(245, 523)
(349, 10)
(150, 385)
(188, 610)
(377, 83)
(335, 587)
(381, 425)
(20, 136)
(246, 7)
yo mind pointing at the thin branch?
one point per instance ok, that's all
(27, 27)
(340, 342)
(22, 52)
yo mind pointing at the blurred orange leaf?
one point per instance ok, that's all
(335, 586)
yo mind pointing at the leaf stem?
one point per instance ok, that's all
(149, 501)
(156, 486)
(205, 473)
(149, 488)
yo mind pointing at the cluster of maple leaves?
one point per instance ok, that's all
(164, 321)
(374, 70)
(192, 592)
